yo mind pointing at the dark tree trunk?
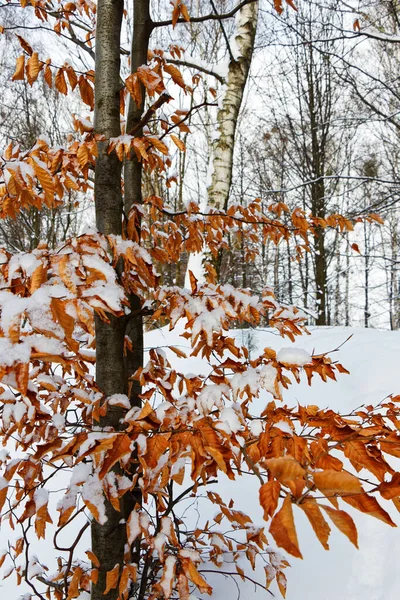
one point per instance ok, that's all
(114, 370)
(108, 540)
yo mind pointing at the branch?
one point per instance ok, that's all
(150, 112)
(210, 17)
(223, 32)
(185, 63)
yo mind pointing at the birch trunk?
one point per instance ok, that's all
(227, 117)
(221, 163)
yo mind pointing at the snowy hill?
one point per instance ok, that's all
(371, 573)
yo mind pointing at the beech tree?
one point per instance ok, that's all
(122, 444)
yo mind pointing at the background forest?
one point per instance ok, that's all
(318, 128)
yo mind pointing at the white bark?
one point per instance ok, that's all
(228, 112)
(221, 161)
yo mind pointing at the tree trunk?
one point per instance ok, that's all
(227, 117)
(221, 163)
(108, 540)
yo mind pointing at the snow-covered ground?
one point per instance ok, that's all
(371, 573)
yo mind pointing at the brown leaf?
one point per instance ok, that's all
(318, 523)
(343, 522)
(269, 496)
(60, 82)
(283, 529)
(332, 482)
(33, 68)
(19, 69)
(24, 45)
(120, 448)
(178, 142)
(112, 579)
(86, 91)
(370, 505)
(390, 489)
(285, 469)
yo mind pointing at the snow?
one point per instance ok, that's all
(41, 497)
(92, 492)
(372, 573)
(293, 356)
(169, 572)
(119, 400)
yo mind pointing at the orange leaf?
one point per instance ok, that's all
(72, 78)
(194, 576)
(33, 68)
(63, 318)
(112, 579)
(332, 482)
(193, 282)
(158, 144)
(19, 69)
(283, 529)
(42, 517)
(390, 489)
(285, 469)
(369, 505)
(93, 558)
(48, 76)
(282, 582)
(343, 522)
(73, 588)
(86, 91)
(22, 376)
(269, 495)
(38, 277)
(45, 179)
(156, 446)
(178, 143)
(60, 82)
(3, 496)
(120, 448)
(291, 4)
(176, 75)
(134, 87)
(178, 352)
(318, 523)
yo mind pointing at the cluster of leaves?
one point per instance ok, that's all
(189, 426)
